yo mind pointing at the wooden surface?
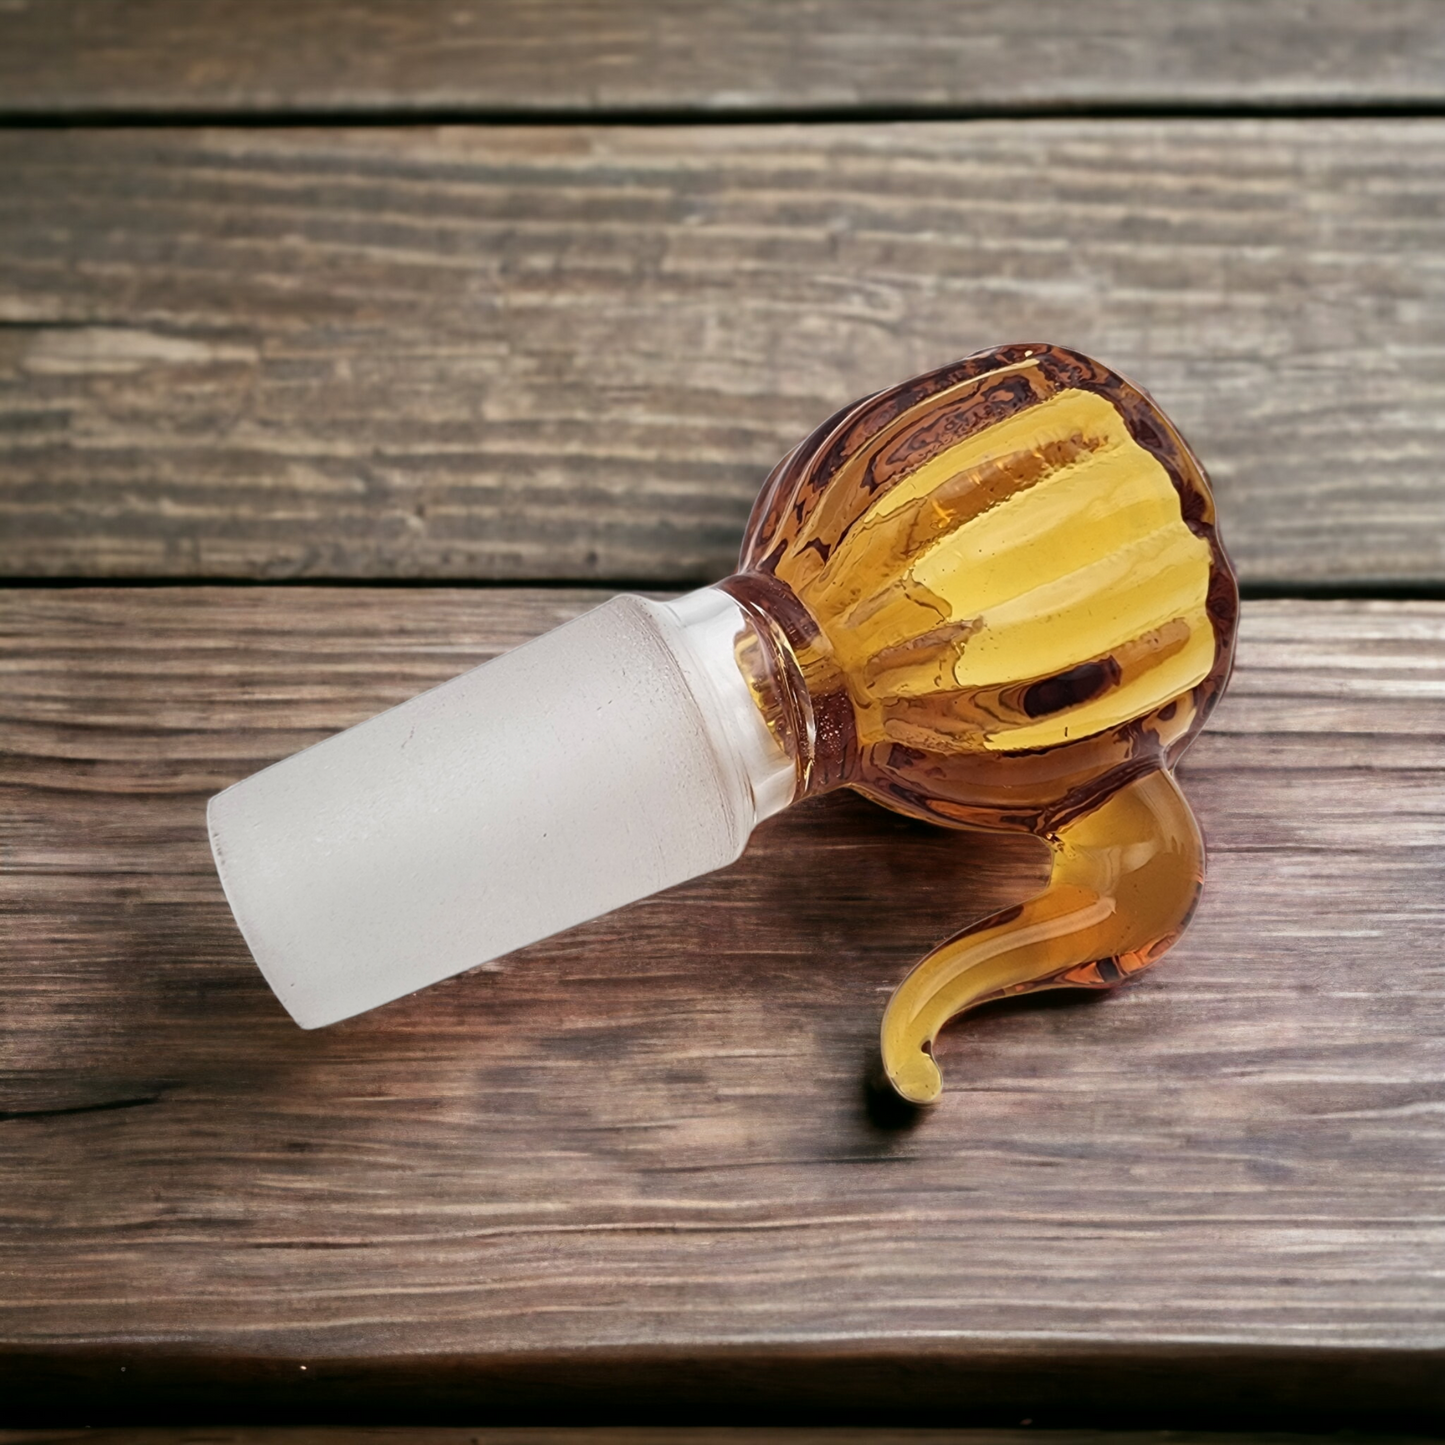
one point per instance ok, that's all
(644, 1151)
(556, 353)
(424, 303)
(523, 57)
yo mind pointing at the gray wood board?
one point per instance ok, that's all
(557, 353)
(90, 57)
(637, 1163)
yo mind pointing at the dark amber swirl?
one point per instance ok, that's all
(1002, 598)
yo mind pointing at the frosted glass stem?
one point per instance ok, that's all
(617, 756)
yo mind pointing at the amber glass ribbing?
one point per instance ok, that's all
(996, 598)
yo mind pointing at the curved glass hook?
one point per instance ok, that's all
(1126, 877)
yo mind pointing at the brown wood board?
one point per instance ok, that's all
(98, 57)
(636, 1167)
(551, 354)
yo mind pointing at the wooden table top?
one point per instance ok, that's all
(345, 346)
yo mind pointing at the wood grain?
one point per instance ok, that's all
(553, 354)
(88, 57)
(635, 1169)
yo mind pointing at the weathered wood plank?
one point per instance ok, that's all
(635, 1166)
(522, 57)
(557, 353)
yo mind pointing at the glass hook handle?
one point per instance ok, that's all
(1126, 876)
